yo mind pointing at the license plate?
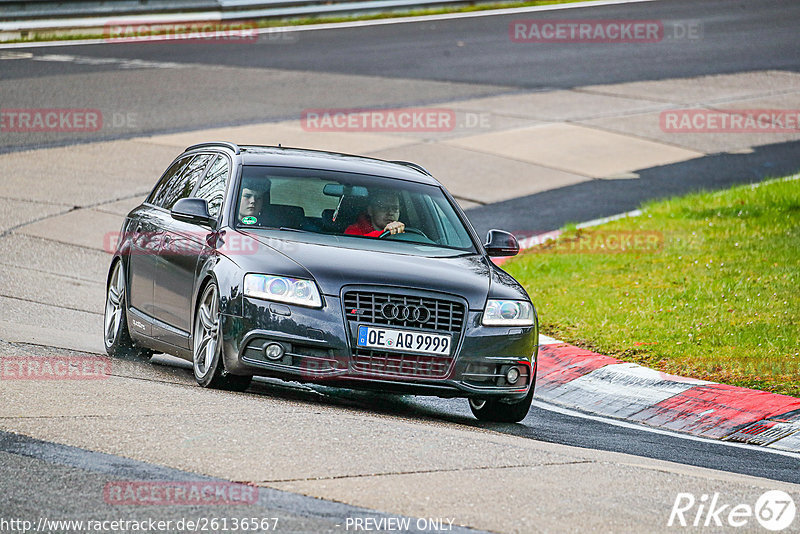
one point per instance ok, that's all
(403, 340)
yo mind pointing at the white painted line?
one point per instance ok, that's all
(538, 239)
(644, 428)
(774, 180)
(603, 220)
(789, 443)
(546, 340)
(215, 15)
(120, 62)
(452, 16)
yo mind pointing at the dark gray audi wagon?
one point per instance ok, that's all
(321, 267)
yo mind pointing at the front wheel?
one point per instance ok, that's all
(208, 372)
(498, 411)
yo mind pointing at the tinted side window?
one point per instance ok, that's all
(183, 183)
(212, 188)
(170, 176)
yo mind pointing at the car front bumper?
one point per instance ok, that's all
(318, 347)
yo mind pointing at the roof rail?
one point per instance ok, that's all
(414, 166)
(226, 144)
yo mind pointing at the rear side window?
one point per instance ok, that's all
(170, 176)
(212, 188)
(181, 183)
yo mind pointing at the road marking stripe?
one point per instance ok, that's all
(603, 220)
(327, 26)
(545, 340)
(451, 16)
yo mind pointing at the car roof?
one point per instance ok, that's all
(319, 159)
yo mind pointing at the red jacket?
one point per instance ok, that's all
(363, 226)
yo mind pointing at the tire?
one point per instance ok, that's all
(207, 346)
(116, 336)
(498, 411)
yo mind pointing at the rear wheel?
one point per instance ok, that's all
(117, 338)
(208, 371)
(499, 411)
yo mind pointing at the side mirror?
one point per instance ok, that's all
(500, 243)
(193, 210)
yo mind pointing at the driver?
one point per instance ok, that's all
(383, 212)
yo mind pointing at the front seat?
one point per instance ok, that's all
(282, 216)
(349, 210)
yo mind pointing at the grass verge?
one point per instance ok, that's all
(708, 286)
(54, 35)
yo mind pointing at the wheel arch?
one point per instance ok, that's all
(207, 278)
(116, 259)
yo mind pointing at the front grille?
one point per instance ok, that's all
(442, 315)
(366, 361)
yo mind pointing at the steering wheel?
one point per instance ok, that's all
(408, 230)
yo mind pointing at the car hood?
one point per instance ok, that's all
(332, 267)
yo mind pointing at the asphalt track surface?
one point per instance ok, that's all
(43, 479)
(422, 63)
(544, 424)
(737, 36)
(39, 471)
(474, 53)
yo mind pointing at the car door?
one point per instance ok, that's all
(145, 233)
(181, 247)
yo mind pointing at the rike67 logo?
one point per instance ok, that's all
(775, 510)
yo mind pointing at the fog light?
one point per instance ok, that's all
(512, 375)
(274, 351)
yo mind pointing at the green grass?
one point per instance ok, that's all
(719, 300)
(53, 35)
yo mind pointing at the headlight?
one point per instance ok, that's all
(508, 313)
(282, 289)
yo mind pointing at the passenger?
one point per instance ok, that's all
(383, 212)
(252, 200)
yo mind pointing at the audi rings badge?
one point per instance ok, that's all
(405, 312)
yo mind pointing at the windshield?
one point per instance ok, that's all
(352, 207)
